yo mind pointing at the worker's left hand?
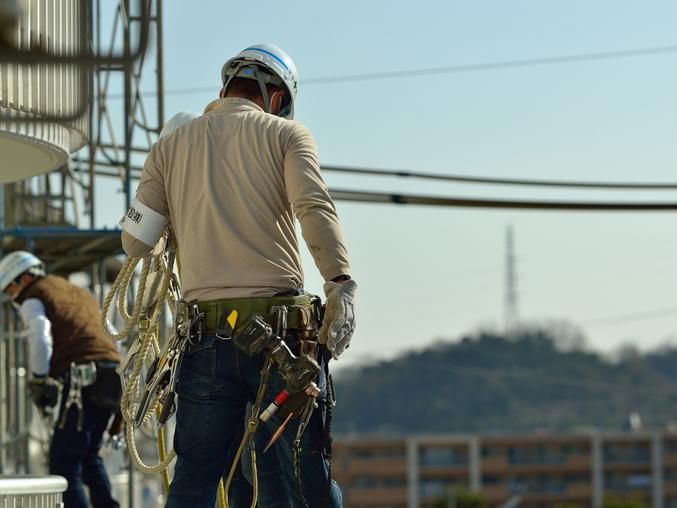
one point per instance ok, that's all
(339, 316)
(44, 392)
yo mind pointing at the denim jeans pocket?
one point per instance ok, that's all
(197, 378)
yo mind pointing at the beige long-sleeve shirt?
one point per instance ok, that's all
(231, 183)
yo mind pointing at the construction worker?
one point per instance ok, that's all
(70, 360)
(231, 183)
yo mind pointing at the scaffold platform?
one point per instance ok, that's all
(66, 250)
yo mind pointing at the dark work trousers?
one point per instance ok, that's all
(215, 384)
(74, 455)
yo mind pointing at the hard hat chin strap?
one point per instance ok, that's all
(260, 78)
(264, 91)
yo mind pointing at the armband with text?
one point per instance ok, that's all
(143, 223)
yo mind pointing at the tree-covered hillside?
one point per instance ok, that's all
(487, 383)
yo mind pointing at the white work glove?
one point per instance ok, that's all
(339, 316)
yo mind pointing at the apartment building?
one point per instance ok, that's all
(541, 470)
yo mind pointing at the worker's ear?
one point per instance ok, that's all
(276, 101)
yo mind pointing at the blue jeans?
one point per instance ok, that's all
(74, 455)
(215, 384)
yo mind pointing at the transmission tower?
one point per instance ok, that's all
(511, 301)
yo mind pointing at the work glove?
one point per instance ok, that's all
(339, 316)
(44, 392)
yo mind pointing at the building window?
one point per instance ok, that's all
(490, 479)
(536, 455)
(576, 449)
(577, 478)
(541, 484)
(364, 482)
(639, 481)
(670, 446)
(362, 453)
(627, 481)
(378, 453)
(433, 488)
(627, 452)
(441, 457)
(518, 485)
(492, 451)
(394, 481)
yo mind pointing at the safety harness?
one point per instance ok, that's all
(255, 325)
(78, 376)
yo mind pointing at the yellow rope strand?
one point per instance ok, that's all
(162, 452)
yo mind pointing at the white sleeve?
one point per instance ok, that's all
(40, 335)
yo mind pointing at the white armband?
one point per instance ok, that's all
(143, 223)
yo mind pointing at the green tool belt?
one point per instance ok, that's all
(303, 311)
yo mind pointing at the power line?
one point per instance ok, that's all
(528, 62)
(454, 69)
(639, 316)
(475, 179)
(504, 181)
(410, 199)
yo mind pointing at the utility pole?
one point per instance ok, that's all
(511, 310)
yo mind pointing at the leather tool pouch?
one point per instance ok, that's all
(106, 391)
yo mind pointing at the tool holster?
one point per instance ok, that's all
(76, 378)
(258, 335)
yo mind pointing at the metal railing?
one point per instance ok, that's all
(32, 491)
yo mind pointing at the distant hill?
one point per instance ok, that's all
(487, 383)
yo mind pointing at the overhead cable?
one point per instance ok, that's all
(506, 64)
(505, 181)
(638, 316)
(411, 199)
(454, 69)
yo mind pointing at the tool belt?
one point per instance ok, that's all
(286, 327)
(97, 381)
(303, 314)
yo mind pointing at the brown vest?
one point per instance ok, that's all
(76, 327)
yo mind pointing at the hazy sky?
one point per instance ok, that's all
(428, 273)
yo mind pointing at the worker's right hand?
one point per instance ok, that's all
(44, 392)
(339, 316)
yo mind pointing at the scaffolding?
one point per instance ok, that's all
(55, 215)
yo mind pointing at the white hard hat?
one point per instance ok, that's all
(281, 71)
(16, 263)
(177, 121)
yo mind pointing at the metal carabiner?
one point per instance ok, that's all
(181, 318)
(281, 312)
(195, 317)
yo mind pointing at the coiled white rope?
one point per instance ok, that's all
(146, 311)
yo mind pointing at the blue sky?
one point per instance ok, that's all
(429, 273)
